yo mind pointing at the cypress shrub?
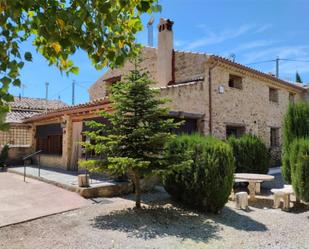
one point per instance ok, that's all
(251, 154)
(299, 161)
(4, 155)
(199, 171)
(295, 125)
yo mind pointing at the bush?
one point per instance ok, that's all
(4, 155)
(295, 125)
(251, 154)
(299, 161)
(199, 171)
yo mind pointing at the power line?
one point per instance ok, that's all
(260, 62)
(277, 60)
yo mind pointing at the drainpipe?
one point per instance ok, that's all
(210, 96)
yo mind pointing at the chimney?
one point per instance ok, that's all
(165, 52)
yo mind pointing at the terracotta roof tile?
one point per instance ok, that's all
(25, 103)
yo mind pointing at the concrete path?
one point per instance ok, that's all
(20, 201)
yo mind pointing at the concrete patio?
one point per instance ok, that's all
(100, 185)
(23, 201)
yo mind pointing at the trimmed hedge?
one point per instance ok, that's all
(199, 171)
(296, 125)
(299, 162)
(4, 155)
(251, 154)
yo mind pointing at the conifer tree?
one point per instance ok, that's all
(298, 78)
(133, 141)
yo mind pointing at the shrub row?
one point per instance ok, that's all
(299, 161)
(251, 154)
(296, 125)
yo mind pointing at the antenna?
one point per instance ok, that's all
(73, 92)
(23, 86)
(150, 31)
(232, 56)
(46, 95)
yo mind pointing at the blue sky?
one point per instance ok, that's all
(253, 30)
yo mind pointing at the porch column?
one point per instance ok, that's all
(67, 142)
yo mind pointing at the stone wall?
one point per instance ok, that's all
(189, 98)
(249, 107)
(148, 64)
(16, 154)
(188, 65)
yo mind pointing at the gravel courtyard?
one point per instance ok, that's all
(113, 224)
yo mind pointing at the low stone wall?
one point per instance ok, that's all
(51, 161)
(16, 154)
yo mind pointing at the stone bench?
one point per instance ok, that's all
(283, 194)
(241, 200)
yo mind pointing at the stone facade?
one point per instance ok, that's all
(248, 107)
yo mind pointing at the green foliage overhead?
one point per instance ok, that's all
(199, 171)
(104, 29)
(134, 139)
(4, 155)
(299, 160)
(296, 125)
(251, 154)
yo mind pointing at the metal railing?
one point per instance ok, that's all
(38, 162)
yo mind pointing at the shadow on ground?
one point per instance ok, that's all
(162, 221)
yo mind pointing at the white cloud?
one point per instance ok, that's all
(215, 38)
(263, 28)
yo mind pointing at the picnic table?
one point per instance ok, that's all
(253, 179)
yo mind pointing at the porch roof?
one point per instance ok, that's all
(80, 109)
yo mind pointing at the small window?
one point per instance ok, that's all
(236, 131)
(291, 97)
(109, 82)
(273, 95)
(274, 137)
(235, 81)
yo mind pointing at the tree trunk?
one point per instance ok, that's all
(137, 190)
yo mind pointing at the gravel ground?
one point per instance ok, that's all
(113, 223)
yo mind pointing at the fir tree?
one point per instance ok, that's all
(298, 78)
(133, 141)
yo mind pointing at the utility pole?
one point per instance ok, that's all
(277, 67)
(46, 94)
(73, 92)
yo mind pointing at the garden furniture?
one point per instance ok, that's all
(253, 179)
(282, 194)
(241, 199)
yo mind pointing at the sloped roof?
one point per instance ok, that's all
(91, 105)
(24, 107)
(18, 116)
(39, 104)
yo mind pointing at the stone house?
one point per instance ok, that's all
(215, 96)
(221, 96)
(19, 136)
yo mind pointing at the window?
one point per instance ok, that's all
(189, 126)
(274, 137)
(235, 81)
(273, 95)
(109, 82)
(291, 97)
(16, 136)
(49, 139)
(236, 131)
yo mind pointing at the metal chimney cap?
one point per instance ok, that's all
(151, 21)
